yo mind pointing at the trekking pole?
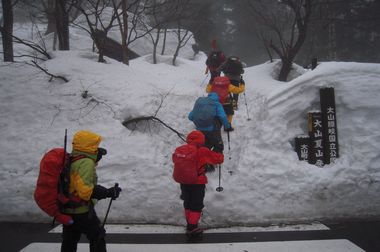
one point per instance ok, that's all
(219, 188)
(203, 82)
(109, 206)
(63, 165)
(246, 105)
(229, 147)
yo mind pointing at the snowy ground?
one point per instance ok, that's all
(263, 181)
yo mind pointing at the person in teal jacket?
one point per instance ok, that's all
(84, 191)
(212, 132)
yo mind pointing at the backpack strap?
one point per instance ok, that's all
(64, 197)
(76, 158)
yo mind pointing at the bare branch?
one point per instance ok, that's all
(153, 118)
(49, 74)
(29, 44)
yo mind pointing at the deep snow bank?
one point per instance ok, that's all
(263, 181)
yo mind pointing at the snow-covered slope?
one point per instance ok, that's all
(263, 180)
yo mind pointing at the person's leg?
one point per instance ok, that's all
(229, 118)
(229, 112)
(89, 224)
(70, 238)
(185, 196)
(235, 80)
(95, 233)
(196, 206)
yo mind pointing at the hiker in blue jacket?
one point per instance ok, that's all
(208, 116)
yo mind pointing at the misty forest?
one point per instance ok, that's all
(299, 31)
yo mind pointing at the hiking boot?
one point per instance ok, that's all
(195, 233)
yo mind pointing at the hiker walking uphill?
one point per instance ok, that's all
(208, 116)
(223, 87)
(214, 60)
(189, 161)
(233, 69)
(83, 186)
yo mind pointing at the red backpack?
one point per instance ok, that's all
(220, 86)
(47, 193)
(185, 160)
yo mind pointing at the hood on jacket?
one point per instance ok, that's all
(196, 138)
(86, 141)
(214, 96)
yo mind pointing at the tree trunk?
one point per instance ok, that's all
(285, 69)
(175, 54)
(55, 41)
(50, 12)
(62, 22)
(124, 45)
(164, 42)
(7, 30)
(155, 44)
(331, 35)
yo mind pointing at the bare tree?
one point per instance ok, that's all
(161, 15)
(288, 24)
(62, 24)
(47, 11)
(96, 24)
(183, 36)
(124, 31)
(7, 30)
(123, 14)
(184, 11)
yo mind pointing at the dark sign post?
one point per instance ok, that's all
(302, 143)
(316, 138)
(330, 130)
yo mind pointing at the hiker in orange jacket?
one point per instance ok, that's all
(224, 88)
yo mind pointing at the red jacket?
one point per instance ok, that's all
(205, 155)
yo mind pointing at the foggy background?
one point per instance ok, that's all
(338, 30)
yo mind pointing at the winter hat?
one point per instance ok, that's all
(196, 137)
(86, 141)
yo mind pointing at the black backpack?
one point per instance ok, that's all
(213, 59)
(233, 66)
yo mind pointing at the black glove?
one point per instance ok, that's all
(113, 192)
(209, 168)
(99, 192)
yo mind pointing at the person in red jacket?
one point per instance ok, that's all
(193, 194)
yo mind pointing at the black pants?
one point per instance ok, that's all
(213, 140)
(193, 196)
(88, 224)
(228, 108)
